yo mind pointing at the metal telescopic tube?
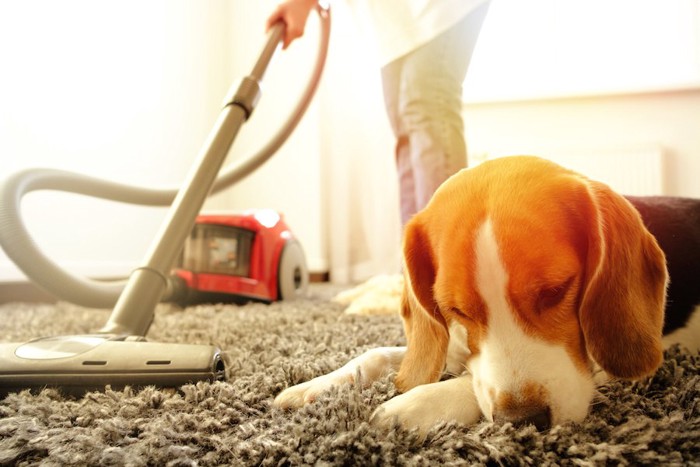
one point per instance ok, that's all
(147, 285)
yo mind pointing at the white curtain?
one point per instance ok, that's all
(357, 153)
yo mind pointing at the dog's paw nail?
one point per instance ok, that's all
(290, 398)
(281, 403)
(380, 418)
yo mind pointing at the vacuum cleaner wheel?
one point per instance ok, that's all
(293, 274)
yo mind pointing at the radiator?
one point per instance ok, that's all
(630, 171)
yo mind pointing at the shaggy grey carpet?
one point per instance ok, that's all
(653, 422)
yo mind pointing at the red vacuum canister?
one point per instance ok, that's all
(238, 257)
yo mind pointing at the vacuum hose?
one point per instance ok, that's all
(23, 251)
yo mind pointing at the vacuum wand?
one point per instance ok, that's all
(148, 284)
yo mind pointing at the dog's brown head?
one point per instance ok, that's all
(548, 272)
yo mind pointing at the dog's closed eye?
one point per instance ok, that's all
(549, 297)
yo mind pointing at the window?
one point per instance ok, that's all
(554, 48)
(218, 249)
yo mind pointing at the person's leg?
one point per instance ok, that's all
(391, 79)
(429, 106)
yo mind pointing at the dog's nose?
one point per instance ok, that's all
(541, 417)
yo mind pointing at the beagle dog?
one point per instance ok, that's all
(522, 280)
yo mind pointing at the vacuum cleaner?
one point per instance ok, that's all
(119, 355)
(241, 257)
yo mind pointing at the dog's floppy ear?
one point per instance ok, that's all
(622, 307)
(426, 331)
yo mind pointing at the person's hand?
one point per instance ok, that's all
(294, 13)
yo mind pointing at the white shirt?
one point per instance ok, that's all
(401, 26)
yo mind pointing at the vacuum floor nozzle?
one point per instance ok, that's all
(82, 363)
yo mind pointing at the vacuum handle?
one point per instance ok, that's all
(274, 37)
(247, 94)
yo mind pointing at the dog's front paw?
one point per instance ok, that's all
(292, 397)
(304, 393)
(424, 406)
(403, 411)
(362, 370)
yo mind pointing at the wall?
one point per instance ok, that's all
(670, 120)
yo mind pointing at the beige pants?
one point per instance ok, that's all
(423, 98)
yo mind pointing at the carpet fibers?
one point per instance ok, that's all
(652, 422)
